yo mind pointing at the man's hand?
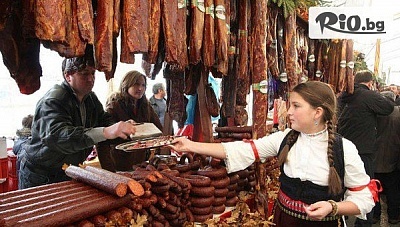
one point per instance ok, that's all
(121, 129)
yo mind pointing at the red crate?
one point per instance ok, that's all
(12, 183)
(12, 166)
(3, 174)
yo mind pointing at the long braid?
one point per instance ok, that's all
(292, 138)
(334, 181)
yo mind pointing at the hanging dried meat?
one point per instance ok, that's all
(176, 103)
(85, 20)
(103, 47)
(311, 60)
(74, 45)
(197, 28)
(243, 40)
(154, 31)
(342, 67)
(290, 50)
(280, 45)
(209, 35)
(350, 66)
(169, 14)
(221, 27)
(50, 20)
(20, 55)
(181, 35)
(135, 24)
(272, 51)
(259, 72)
(5, 12)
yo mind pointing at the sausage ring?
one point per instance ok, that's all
(202, 191)
(234, 178)
(232, 201)
(243, 173)
(221, 192)
(218, 201)
(218, 209)
(185, 157)
(231, 194)
(182, 167)
(221, 183)
(201, 201)
(201, 210)
(232, 187)
(198, 181)
(213, 173)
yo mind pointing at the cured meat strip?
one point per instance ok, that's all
(244, 129)
(43, 189)
(117, 18)
(37, 211)
(272, 52)
(342, 66)
(103, 47)
(135, 23)
(208, 37)
(77, 211)
(169, 18)
(85, 20)
(154, 31)
(197, 29)
(259, 72)
(51, 20)
(5, 11)
(222, 35)
(290, 50)
(311, 60)
(40, 197)
(74, 46)
(10, 210)
(181, 36)
(113, 186)
(21, 55)
(135, 187)
(350, 66)
(176, 105)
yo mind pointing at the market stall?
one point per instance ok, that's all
(256, 47)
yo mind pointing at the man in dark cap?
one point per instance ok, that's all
(69, 120)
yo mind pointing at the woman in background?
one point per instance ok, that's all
(129, 102)
(322, 176)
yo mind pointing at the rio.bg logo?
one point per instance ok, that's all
(348, 22)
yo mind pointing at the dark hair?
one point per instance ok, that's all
(71, 65)
(129, 80)
(27, 121)
(157, 87)
(319, 94)
(363, 76)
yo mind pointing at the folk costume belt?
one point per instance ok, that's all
(296, 209)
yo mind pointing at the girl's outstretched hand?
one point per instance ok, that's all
(181, 144)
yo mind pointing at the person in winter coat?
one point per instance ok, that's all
(387, 161)
(129, 102)
(358, 114)
(158, 101)
(68, 121)
(319, 169)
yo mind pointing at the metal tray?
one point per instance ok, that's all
(149, 143)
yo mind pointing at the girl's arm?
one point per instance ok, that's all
(182, 144)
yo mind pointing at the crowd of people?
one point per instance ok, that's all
(333, 147)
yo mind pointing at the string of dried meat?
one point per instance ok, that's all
(209, 35)
(196, 33)
(290, 50)
(221, 27)
(154, 31)
(350, 66)
(50, 20)
(103, 45)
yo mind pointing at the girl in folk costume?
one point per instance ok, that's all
(322, 176)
